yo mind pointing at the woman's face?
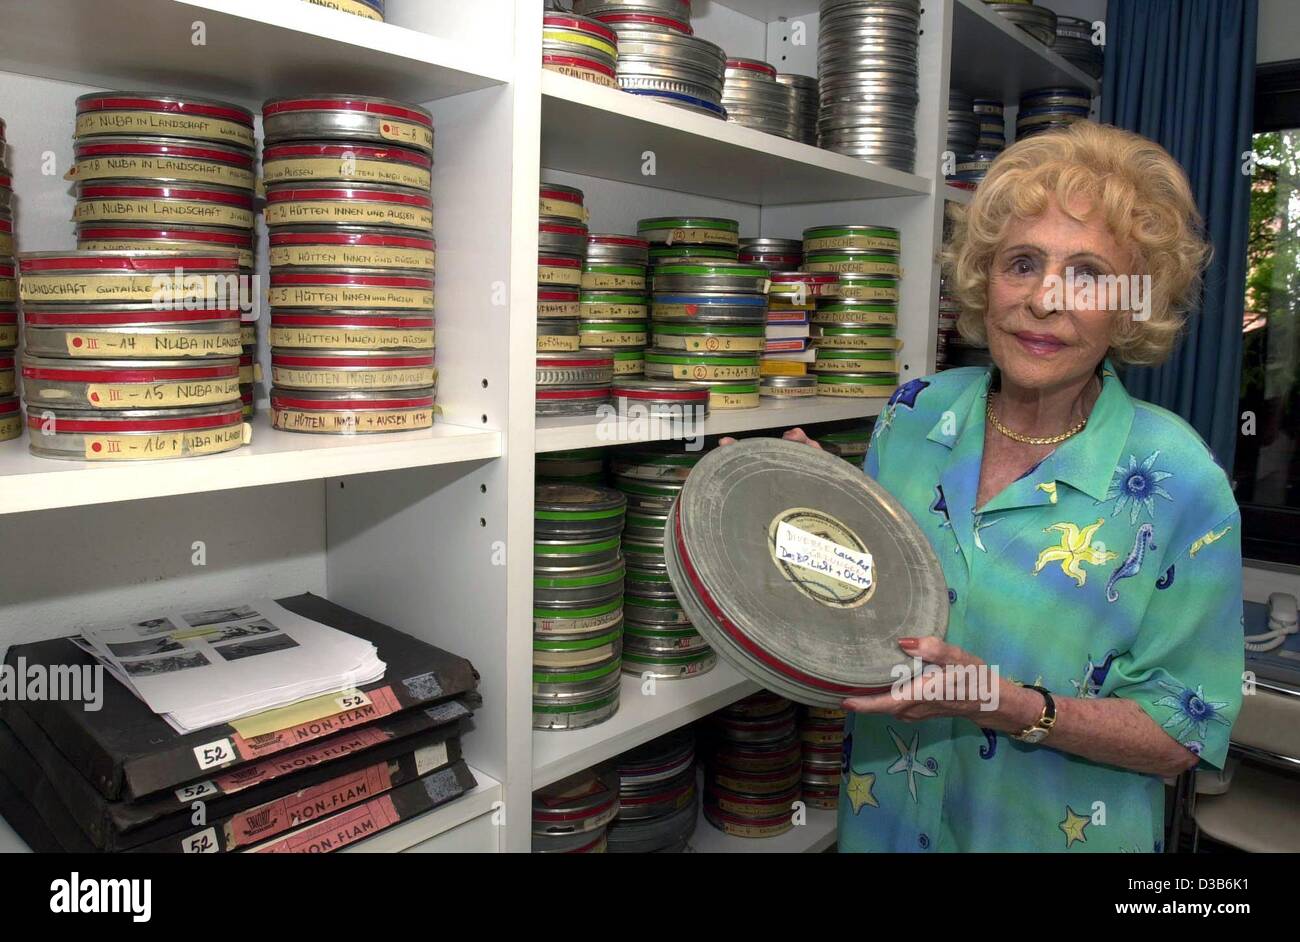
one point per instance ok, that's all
(1044, 329)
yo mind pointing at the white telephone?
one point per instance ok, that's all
(1282, 621)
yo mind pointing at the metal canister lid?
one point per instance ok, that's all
(672, 230)
(188, 117)
(709, 307)
(608, 247)
(570, 400)
(651, 393)
(234, 197)
(347, 116)
(825, 632)
(581, 803)
(126, 156)
(788, 382)
(714, 276)
(574, 368)
(126, 262)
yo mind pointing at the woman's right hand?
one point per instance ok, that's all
(797, 435)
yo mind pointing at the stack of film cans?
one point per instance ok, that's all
(993, 126)
(1039, 22)
(855, 323)
(573, 815)
(963, 125)
(867, 76)
(159, 172)
(581, 47)
(658, 805)
(754, 98)
(1074, 41)
(709, 310)
(570, 380)
(806, 101)
(575, 466)
(131, 355)
(790, 306)
(849, 442)
(658, 54)
(1047, 109)
(658, 638)
(949, 311)
(821, 733)
(754, 767)
(577, 604)
(614, 307)
(11, 419)
(369, 9)
(350, 214)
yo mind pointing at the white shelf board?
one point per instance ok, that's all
(604, 132)
(812, 837)
(957, 194)
(562, 433)
(31, 483)
(253, 50)
(640, 718)
(477, 801)
(994, 58)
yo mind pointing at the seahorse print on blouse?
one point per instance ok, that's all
(1145, 540)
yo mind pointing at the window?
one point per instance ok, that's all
(1267, 466)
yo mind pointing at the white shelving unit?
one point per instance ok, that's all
(432, 531)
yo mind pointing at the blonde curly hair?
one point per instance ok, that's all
(1144, 197)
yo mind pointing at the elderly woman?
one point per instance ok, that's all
(1090, 544)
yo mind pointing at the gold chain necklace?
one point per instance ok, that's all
(1029, 439)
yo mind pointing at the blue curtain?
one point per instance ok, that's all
(1182, 73)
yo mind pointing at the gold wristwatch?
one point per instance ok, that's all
(1038, 732)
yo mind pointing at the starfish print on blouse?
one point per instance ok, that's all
(1074, 549)
(909, 763)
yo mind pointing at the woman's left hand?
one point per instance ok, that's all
(909, 700)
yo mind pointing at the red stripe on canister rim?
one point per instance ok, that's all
(579, 815)
(8, 405)
(557, 294)
(7, 360)
(750, 66)
(279, 238)
(650, 19)
(738, 636)
(347, 193)
(562, 228)
(701, 395)
(7, 182)
(346, 104)
(94, 148)
(6, 224)
(369, 320)
(89, 262)
(562, 195)
(626, 241)
(410, 359)
(578, 63)
(279, 401)
(234, 416)
(325, 278)
(581, 25)
(360, 152)
(122, 318)
(6, 270)
(632, 801)
(165, 191)
(561, 261)
(88, 232)
(127, 103)
(9, 316)
(600, 392)
(147, 374)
